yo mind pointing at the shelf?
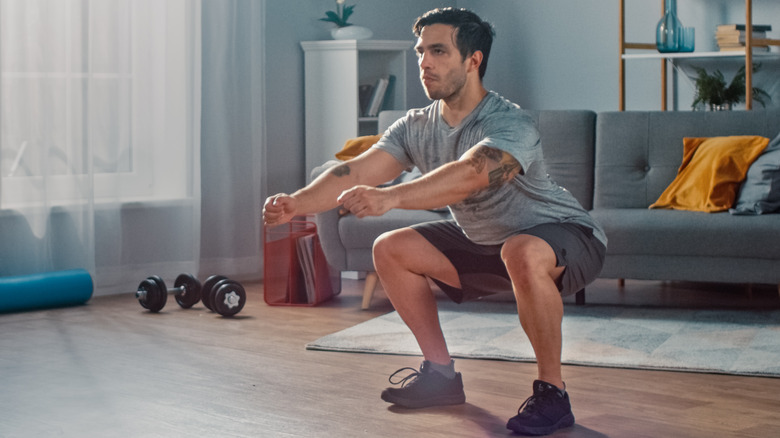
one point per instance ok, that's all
(767, 77)
(334, 70)
(325, 45)
(683, 55)
(747, 56)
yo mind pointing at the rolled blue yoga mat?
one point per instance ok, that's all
(46, 290)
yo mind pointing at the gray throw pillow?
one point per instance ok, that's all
(760, 192)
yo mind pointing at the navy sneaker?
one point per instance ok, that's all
(424, 388)
(544, 412)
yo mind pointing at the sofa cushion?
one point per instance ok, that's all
(688, 233)
(760, 193)
(356, 146)
(711, 172)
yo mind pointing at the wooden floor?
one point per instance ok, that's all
(110, 369)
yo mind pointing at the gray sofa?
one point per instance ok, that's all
(616, 164)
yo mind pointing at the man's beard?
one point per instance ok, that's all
(446, 88)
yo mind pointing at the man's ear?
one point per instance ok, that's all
(474, 61)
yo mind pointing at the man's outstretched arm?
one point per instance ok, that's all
(480, 168)
(371, 168)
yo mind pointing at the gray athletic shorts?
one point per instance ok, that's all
(482, 272)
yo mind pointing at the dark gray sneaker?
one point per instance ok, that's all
(544, 412)
(424, 388)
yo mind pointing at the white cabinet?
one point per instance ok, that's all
(334, 70)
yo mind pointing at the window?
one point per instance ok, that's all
(95, 97)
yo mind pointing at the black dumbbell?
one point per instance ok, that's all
(223, 295)
(152, 293)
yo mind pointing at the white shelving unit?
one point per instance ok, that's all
(746, 56)
(334, 69)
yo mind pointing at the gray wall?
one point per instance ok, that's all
(553, 54)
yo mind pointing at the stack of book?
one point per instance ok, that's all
(732, 36)
(373, 97)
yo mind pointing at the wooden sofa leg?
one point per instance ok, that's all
(368, 289)
(579, 298)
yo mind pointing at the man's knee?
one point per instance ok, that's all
(407, 249)
(389, 245)
(524, 252)
(528, 257)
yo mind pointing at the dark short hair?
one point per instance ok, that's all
(472, 32)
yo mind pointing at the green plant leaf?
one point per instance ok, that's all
(347, 13)
(332, 17)
(712, 88)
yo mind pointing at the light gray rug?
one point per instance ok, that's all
(744, 342)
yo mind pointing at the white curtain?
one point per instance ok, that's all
(232, 137)
(100, 138)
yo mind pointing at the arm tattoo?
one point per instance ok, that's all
(503, 166)
(341, 170)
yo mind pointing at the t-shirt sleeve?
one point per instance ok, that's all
(395, 141)
(513, 131)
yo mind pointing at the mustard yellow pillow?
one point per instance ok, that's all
(356, 146)
(711, 172)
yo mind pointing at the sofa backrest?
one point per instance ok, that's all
(567, 141)
(638, 153)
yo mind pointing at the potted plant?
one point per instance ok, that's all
(345, 30)
(340, 16)
(712, 90)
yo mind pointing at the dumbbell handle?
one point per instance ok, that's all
(141, 293)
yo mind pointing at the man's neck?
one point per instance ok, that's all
(457, 107)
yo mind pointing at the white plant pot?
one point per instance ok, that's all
(351, 33)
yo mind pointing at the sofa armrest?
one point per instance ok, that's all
(328, 228)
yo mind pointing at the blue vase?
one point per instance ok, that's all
(667, 33)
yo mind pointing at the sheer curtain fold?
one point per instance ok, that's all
(232, 139)
(100, 138)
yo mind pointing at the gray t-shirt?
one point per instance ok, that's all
(422, 138)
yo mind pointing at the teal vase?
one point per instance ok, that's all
(667, 33)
